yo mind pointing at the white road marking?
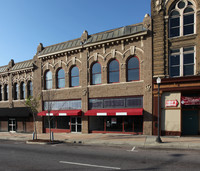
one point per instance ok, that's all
(90, 165)
(133, 150)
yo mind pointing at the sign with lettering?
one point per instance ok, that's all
(190, 100)
(171, 103)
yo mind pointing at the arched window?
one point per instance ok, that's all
(96, 74)
(16, 91)
(113, 75)
(133, 69)
(23, 90)
(48, 80)
(181, 19)
(6, 94)
(74, 76)
(30, 89)
(61, 78)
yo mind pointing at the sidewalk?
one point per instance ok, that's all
(141, 141)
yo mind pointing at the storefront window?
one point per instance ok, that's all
(63, 122)
(114, 103)
(111, 103)
(128, 124)
(63, 105)
(114, 124)
(52, 122)
(138, 124)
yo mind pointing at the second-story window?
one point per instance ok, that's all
(96, 74)
(48, 80)
(30, 89)
(61, 78)
(113, 71)
(182, 62)
(133, 69)
(74, 77)
(6, 92)
(182, 19)
(16, 91)
(23, 91)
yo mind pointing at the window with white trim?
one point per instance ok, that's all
(182, 62)
(182, 19)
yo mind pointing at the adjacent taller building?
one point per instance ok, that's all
(176, 60)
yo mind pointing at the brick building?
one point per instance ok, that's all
(16, 85)
(176, 60)
(95, 83)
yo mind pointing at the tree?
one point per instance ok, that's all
(49, 106)
(33, 103)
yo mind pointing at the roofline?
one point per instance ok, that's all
(141, 23)
(96, 43)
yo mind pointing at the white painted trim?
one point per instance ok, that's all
(49, 114)
(121, 113)
(101, 114)
(62, 114)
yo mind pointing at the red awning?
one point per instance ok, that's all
(114, 112)
(61, 113)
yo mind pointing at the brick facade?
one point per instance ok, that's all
(136, 40)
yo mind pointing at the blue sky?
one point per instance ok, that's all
(26, 23)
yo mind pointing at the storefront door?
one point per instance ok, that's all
(190, 123)
(76, 124)
(12, 124)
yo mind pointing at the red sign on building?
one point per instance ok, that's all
(171, 103)
(190, 100)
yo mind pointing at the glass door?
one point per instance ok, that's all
(76, 124)
(12, 124)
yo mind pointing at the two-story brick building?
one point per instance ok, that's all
(95, 83)
(176, 60)
(16, 84)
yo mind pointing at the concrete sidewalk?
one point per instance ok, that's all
(141, 141)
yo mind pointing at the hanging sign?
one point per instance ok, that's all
(190, 100)
(171, 103)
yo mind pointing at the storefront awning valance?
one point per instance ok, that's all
(114, 112)
(15, 112)
(61, 113)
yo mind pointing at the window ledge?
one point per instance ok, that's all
(3, 101)
(61, 89)
(182, 38)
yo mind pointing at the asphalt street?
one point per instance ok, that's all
(24, 157)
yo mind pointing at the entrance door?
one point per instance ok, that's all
(76, 124)
(12, 124)
(190, 122)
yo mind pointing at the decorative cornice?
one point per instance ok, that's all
(94, 45)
